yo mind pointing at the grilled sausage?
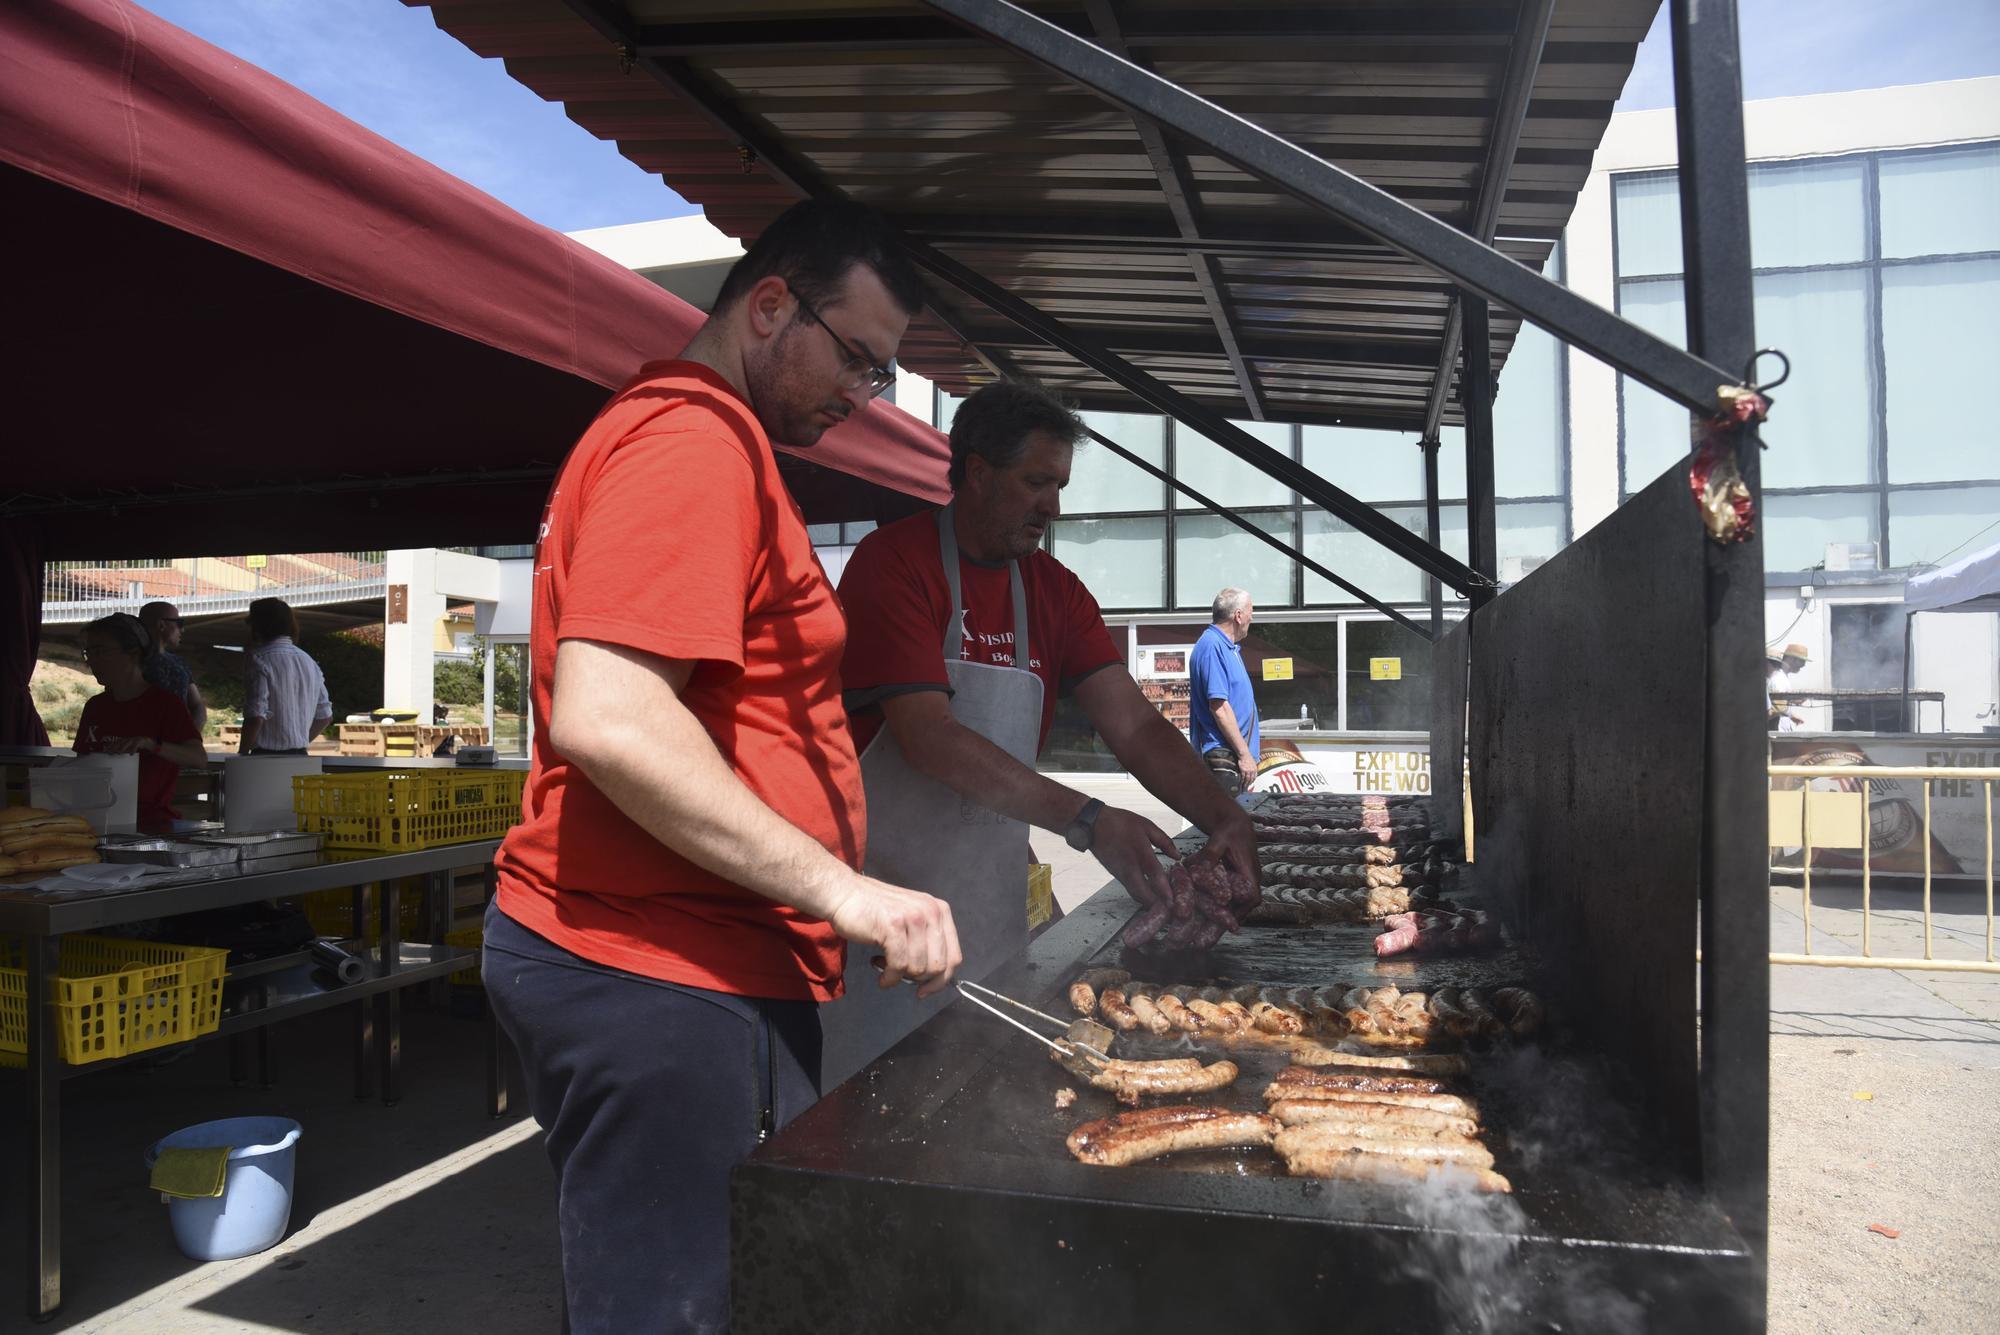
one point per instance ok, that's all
(1210, 1015)
(1356, 1166)
(1522, 1008)
(1372, 1119)
(1428, 1064)
(1473, 1003)
(1112, 1006)
(1392, 1082)
(1129, 1085)
(1275, 1020)
(1115, 1143)
(1178, 1015)
(1327, 1136)
(1452, 1105)
(1238, 1014)
(1083, 992)
(1445, 1010)
(1149, 1015)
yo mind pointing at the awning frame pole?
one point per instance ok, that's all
(1475, 392)
(1647, 358)
(1735, 931)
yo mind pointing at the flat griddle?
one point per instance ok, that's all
(937, 1180)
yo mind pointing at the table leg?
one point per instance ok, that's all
(44, 1141)
(264, 1044)
(389, 1003)
(364, 1050)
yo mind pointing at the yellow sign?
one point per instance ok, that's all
(256, 562)
(1385, 669)
(1277, 669)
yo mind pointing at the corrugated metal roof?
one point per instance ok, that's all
(1173, 259)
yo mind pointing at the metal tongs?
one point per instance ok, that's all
(1084, 1046)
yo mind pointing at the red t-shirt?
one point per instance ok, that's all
(670, 532)
(897, 602)
(154, 714)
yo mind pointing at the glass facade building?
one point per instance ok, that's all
(1879, 275)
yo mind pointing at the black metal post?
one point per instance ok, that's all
(1652, 361)
(1735, 885)
(1267, 539)
(1433, 529)
(1475, 392)
(42, 1146)
(1903, 719)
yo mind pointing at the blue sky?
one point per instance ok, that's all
(388, 67)
(1795, 47)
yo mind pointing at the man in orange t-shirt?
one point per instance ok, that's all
(675, 902)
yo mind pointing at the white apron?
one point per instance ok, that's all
(924, 836)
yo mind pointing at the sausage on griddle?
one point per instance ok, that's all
(1115, 1142)
(1326, 1136)
(1373, 1119)
(1357, 1166)
(1083, 992)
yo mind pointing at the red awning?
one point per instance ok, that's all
(255, 325)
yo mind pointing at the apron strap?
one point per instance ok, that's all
(954, 636)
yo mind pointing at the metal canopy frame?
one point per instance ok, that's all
(769, 153)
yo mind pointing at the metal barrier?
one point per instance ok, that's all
(1841, 819)
(79, 591)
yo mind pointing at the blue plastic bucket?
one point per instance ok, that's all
(256, 1201)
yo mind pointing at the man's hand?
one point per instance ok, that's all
(1233, 842)
(1124, 842)
(917, 937)
(1246, 766)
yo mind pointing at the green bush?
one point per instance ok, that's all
(457, 683)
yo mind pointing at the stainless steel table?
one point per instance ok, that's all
(287, 991)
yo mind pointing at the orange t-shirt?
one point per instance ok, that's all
(670, 532)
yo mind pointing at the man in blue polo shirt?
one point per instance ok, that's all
(1222, 713)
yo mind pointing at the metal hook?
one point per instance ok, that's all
(1750, 371)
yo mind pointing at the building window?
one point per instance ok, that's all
(1879, 275)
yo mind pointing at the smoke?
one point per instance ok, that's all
(1494, 1270)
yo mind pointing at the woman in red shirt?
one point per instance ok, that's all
(135, 717)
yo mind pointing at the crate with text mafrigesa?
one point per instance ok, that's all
(402, 812)
(114, 997)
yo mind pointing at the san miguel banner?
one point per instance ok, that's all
(1896, 806)
(1343, 767)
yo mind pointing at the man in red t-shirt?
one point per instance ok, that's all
(673, 906)
(1011, 446)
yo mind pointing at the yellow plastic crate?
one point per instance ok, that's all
(115, 997)
(389, 812)
(466, 936)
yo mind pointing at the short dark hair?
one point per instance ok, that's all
(154, 612)
(996, 421)
(272, 617)
(812, 246)
(124, 630)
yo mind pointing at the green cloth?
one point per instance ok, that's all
(191, 1174)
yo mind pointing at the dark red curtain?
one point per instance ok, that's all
(21, 546)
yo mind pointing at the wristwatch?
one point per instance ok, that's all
(1084, 827)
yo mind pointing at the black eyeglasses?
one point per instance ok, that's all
(859, 370)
